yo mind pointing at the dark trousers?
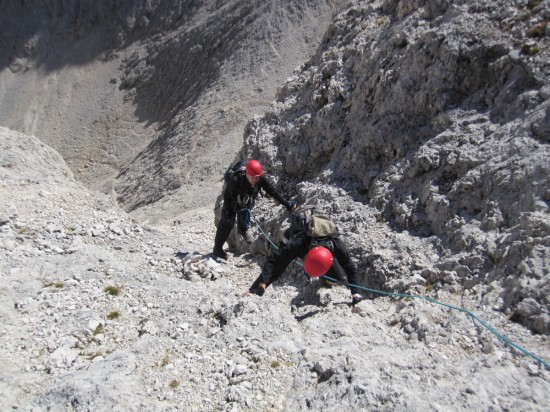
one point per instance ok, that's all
(343, 268)
(227, 222)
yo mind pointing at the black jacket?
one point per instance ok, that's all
(298, 246)
(239, 193)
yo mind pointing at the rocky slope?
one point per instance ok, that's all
(421, 127)
(148, 98)
(99, 312)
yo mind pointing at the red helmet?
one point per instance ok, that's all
(253, 168)
(318, 261)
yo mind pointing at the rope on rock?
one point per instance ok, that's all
(473, 315)
(405, 295)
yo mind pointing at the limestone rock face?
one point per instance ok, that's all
(436, 114)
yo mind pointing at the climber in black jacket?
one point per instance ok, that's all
(240, 192)
(299, 245)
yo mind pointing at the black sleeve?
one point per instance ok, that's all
(276, 264)
(265, 184)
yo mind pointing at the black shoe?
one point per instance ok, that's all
(356, 298)
(220, 253)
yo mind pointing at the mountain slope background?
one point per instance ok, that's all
(150, 98)
(421, 127)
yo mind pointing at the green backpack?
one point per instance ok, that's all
(316, 224)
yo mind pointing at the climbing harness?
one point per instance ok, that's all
(404, 295)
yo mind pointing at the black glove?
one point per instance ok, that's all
(355, 299)
(258, 290)
(290, 205)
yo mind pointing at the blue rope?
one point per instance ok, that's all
(404, 295)
(263, 232)
(474, 316)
